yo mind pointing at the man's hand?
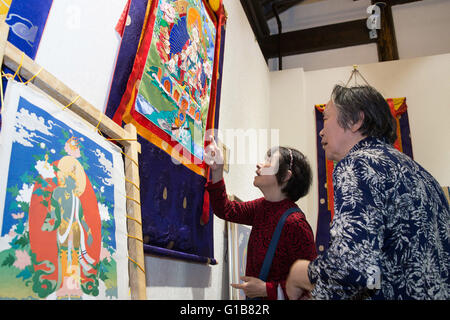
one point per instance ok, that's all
(253, 287)
(298, 281)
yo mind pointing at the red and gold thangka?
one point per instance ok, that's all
(172, 89)
(172, 94)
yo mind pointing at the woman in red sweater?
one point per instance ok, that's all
(284, 178)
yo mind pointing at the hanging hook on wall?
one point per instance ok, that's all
(354, 74)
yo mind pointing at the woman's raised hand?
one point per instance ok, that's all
(214, 159)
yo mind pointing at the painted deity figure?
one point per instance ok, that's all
(72, 221)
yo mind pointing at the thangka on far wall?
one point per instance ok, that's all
(325, 167)
(62, 204)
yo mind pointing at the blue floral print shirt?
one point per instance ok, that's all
(390, 232)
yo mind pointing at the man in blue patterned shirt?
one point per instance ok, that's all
(390, 236)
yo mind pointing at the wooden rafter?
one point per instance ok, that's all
(253, 11)
(315, 39)
(386, 42)
(320, 38)
(282, 5)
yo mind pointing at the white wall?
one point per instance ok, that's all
(245, 101)
(325, 59)
(287, 114)
(79, 46)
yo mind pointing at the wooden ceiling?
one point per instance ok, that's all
(325, 37)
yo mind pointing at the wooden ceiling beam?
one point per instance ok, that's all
(397, 2)
(260, 16)
(282, 6)
(327, 37)
(387, 42)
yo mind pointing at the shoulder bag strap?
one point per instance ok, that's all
(273, 244)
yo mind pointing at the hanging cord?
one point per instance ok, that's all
(137, 264)
(133, 200)
(19, 67)
(131, 159)
(37, 73)
(134, 161)
(127, 180)
(98, 125)
(111, 139)
(137, 202)
(73, 101)
(11, 77)
(135, 238)
(6, 75)
(17, 73)
(355, 73)
(134, 219)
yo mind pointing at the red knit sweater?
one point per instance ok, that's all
(296, 240)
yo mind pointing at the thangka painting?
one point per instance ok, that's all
(325, 167)
(170, 88)
(27, 20)
(167, 84)
(62, 205)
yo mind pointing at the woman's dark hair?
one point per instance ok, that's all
(378, 121)
(301, 179)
